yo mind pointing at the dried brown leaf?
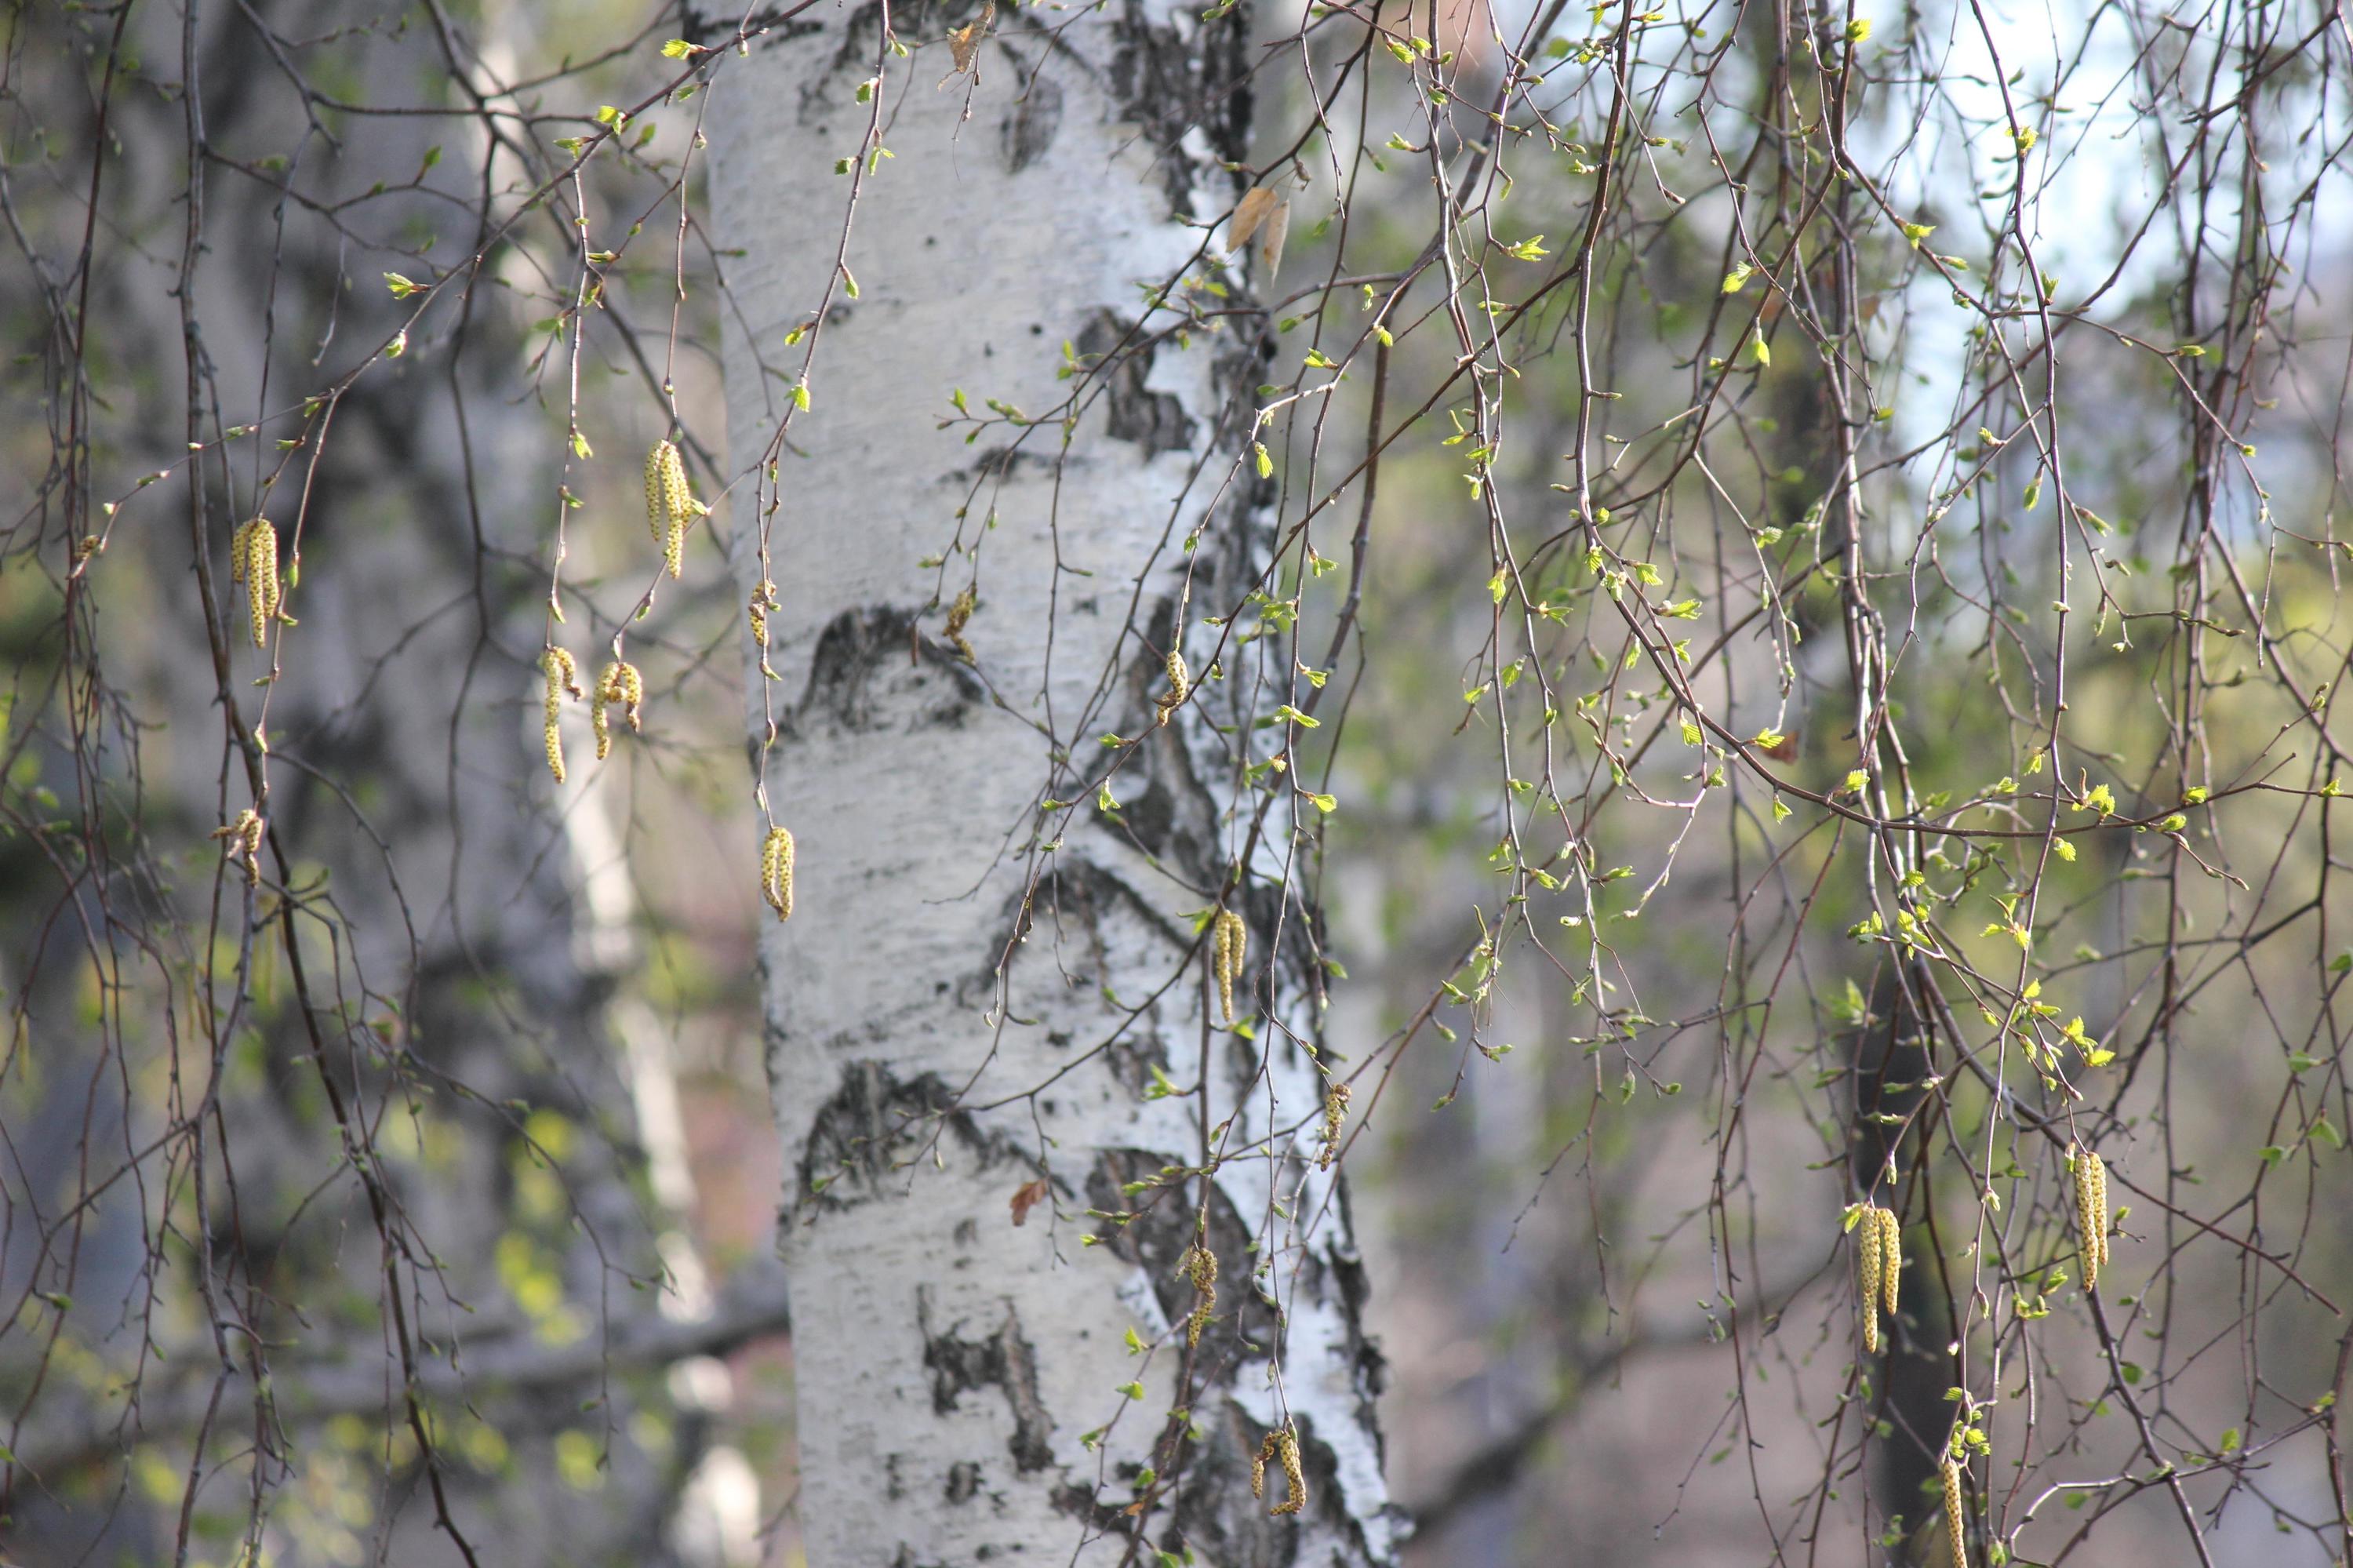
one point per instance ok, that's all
(964, 43)
(1026, 1197)
(1249, 213)
(1271, 236)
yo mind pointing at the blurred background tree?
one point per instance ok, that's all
(1787, 556)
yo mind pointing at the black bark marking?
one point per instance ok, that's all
(1157, 421)
(1170, 79)
(1215, 1515)
(861, 31)
(963, 1481)
(1218, 1517)
(873, 668)
(1355, 1290)
(1029, 126)
(872, 1123)
(1072, 900)
(1158, 1236)
(1003, 1360)
(1080, 1503)
(996, 464)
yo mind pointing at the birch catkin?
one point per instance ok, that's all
(244, 836)
(1868, 1238)
(1891, 1260)
(776, 873)
(1280, 1444)
(1200, 1265)
(563, 675)
(1229, 941)
(1335, 1116)
(253, 561)
(620, 684)
(1293, 1480)
(960, 615)
(1957, 1530)
(1180, 684)
(763, 601)
(2091, 1210)
(670, 503)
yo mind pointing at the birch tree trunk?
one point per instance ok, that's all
(977, 992)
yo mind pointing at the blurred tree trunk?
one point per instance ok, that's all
(1915, 1368)
(956, 1013)
(455, 988)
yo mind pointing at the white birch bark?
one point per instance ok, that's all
(948, 1016)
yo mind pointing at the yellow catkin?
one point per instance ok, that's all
(1180, 685)
(2091, 1210)
(763, 601)
(633, 697)
(620, 684)
(959, 615)
(670, 503)
(563, 675)
(256, 549)
(1287, 1449)
(1335, 1116)
(1891, 1260)
(1200, 1265)
(244, 836)
(1957, 1532)
(656, 501)
(1867, 1239)
(776, 873)
(1229, 941)
(1282, 1445)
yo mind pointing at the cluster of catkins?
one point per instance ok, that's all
(1879, 1267)
(670, 505)
(253, 561)
(1199, 1265)
(620, 684)
(1879, 1259)
(1280, 1444)
(2091, 1210)
(1229, 940)
(244, 836)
